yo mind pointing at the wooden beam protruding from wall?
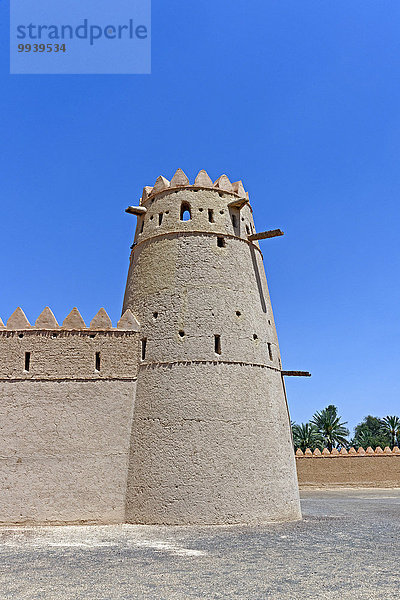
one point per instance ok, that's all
(263, 235)
(296, 374)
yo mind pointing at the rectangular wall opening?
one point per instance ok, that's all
(97, 361)
(211, 215)
(217, 344)
(220, 242)
(270, 351)
(27, 361)
(143, 348)
(160, 217)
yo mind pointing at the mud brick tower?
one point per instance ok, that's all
(211, 440)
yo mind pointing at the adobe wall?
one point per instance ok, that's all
(64, 448)
(210, 406)
(65, 424)
(373, 470)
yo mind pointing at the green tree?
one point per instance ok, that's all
(391, 425)
(306, 436)
(370, 432)
(328, 424)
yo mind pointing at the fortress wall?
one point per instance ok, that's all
(64, 449)
(371, 471)
(65, 427)
(67, 354)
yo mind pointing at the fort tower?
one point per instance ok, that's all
(211, 440)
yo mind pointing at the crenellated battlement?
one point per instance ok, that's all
(72, 322)
(202, 181)
(176, 208)
(349, 453)
(348, 468)
(72, 351)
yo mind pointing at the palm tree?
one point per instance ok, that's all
(391, 424)
(370, 432)
(332, 430)
(306, 436)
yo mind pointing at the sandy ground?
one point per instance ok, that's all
(346, 547)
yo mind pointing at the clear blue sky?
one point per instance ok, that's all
(300, 100)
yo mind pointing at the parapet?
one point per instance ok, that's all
(72, 322)
(202, 181)
(349, 468)
(351, 453)
(71, 351)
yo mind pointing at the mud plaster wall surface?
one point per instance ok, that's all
(64, 450)
(349, 471)
(62, 354)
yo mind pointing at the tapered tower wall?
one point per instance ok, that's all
(210, 408)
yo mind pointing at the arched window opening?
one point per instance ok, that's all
(186, 214)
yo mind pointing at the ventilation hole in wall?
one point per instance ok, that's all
(92, 335)
(167, 212)
(221, 212)
(247, 230)
(220, 194)
(269, 322)
(220, 242)
(201, 209)
(211, 215)
(182, 333)
(143, 344)
(155, 315)
(142, 226)
(160, 216)
(54, 335)
(242, 218)
(151, 218)
(234, 220)
(186, 215)
(97, 361)
(217, 344)
(20, 335)
(270, 351)
(27, 361)
(255, 336)
(238, 313)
